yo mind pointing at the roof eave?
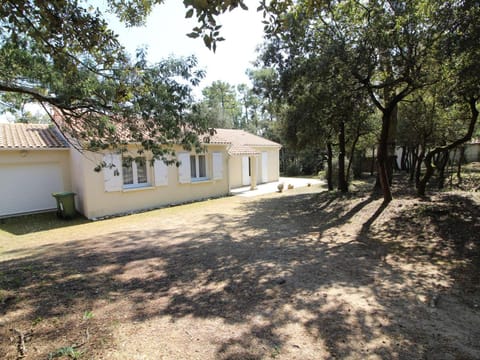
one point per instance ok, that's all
(33, 149)
(270, 145)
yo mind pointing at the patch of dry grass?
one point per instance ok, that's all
(27, 224)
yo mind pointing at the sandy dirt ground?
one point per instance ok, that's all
(300, 275)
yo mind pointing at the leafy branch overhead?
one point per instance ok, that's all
(134, 13)
(64, 57)
(206, 13)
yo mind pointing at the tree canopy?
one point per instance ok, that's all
(220, 102)
(63, 56)
(387, 50)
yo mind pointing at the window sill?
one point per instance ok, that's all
(201, 181)
(137, 188)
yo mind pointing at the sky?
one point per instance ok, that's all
(165, 35)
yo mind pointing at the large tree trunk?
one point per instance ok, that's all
(372, 167)
(383, 158)
(442, 163)
(413, 162)
(391, 144)
(329, 167)
(352, 153)
(403, 160)
(392, 95)
(461, 159)
(342, 183)
(430, 155)
(418, 167)
(357, 159)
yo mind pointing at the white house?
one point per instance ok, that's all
(35, 160)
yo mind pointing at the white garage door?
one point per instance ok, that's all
(29, 187)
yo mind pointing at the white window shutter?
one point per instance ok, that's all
(160, 170)
(217, 165)
(112, 173)
(184, 168)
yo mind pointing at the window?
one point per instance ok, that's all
(134, 172)
(194, 168)
(198, 167)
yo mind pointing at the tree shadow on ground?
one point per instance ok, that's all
(284, 271)
(434, 244)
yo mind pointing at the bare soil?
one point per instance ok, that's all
(304, 274)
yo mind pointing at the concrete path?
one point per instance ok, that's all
(272, 187)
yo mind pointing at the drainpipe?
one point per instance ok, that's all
(229, 186)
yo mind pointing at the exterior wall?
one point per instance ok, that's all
(235, 171)
(273, 172)
(81, 164)
(30, 187)
(472, 152)
(96, 201)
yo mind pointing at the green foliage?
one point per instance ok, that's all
(293, 169)
(61, 54)
(87, 315)
(251, 108)
(133, 13)
(443, 114)
(322, 102)
(37, 321)
(335, 169)
(331, 56)
(27, 117)
(307, 162)
(66, 351)
(240, 107)
(265, 82)
(221, 106)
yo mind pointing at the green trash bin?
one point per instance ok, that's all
(65, 204)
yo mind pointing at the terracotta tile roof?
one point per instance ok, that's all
(30, 136)
(242, 150)
(241, 142)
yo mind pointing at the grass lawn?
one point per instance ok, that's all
(34, 223)
(304, 274)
